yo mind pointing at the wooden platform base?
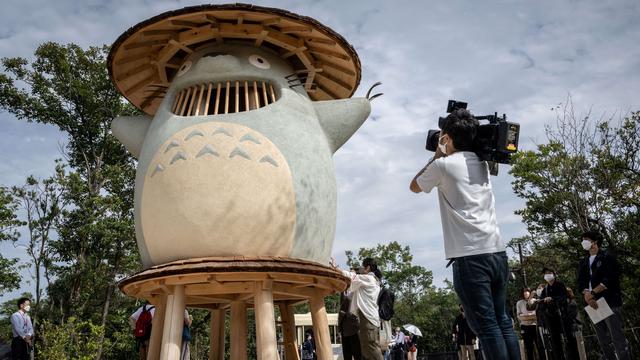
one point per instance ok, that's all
(235, 284)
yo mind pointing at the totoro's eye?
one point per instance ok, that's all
(184, 68)
(259, 62)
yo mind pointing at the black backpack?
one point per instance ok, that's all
(385, 304)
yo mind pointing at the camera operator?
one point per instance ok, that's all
(471, 235)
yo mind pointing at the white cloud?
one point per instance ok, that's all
(514, 57)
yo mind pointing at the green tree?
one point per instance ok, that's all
(9, 277)
(398, 272)
(41, 203)
(586, 176)
(418, 302)
(69, 87)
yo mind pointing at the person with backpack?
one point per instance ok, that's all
(141, 321)
(365, 286)
(348, 325)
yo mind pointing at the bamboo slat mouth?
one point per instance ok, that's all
(224, 97)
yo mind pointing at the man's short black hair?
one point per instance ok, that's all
(22, 300)
(594, 236)
(461, 127)
(548, 269)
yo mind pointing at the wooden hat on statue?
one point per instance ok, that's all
(144, 60)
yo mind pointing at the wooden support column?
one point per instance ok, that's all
(157, 326)
(216, 337)
(173, 325)
(320, 327)
(238, 330)
(266, 342)
(289, 331)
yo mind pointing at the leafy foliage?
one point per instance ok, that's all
(418, 302)
(586, 177)
(72, 339)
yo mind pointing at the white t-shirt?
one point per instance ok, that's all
(467, 205)
(365, 288)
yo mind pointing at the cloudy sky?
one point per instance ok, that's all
(516, 57)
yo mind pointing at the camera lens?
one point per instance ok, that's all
(432, 140)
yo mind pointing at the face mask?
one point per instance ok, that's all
(549, 277)
(27, 308)
(586, 244)
(443, 147)
(539, 292)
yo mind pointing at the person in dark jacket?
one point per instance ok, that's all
(599, 277)
(348, 326)
(464, 337)
(554, 299)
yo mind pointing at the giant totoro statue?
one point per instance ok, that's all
(246, 106)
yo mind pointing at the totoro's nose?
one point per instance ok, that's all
(219, 63)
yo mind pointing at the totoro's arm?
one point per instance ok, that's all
(131, 130)
(341, 118)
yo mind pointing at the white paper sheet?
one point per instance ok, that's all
(603, 311)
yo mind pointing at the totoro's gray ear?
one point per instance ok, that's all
(131, 130)
(341, 118)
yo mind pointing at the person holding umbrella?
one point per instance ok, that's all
(412, 353)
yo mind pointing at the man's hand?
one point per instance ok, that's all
(594, 304)
(548, 299)
(587, 297)
(600, 288)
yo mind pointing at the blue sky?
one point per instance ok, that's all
(521, 58)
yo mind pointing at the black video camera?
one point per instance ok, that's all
(495, 142)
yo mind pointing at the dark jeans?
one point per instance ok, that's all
(19, 349)
(351, 347)
(481, 284)
(611, 337)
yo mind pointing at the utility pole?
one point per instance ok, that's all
(524, 273)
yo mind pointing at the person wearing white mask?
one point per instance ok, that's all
(554, 299)
(472, 241)
(599, 277)
(22, 329)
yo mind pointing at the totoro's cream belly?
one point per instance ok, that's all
(217, 189)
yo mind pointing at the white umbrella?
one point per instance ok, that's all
(413, 329)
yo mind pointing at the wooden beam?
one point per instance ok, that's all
(143, 44)
(135, 71)
(289, 331)
(179, 45)
(140, 84)
(157, 326)
(320, 328)
(199, 104)
(216, 337)
(266, 344)
(295, 29)
(331, 53)
(217, 102)
(206, 104)
(334, 80)
(160, 32)
(317, 40)
(173, 324)
(263, 35)
(271, 21)
(239, 330)
(342, 69)
(127, 59)
(184, 23)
